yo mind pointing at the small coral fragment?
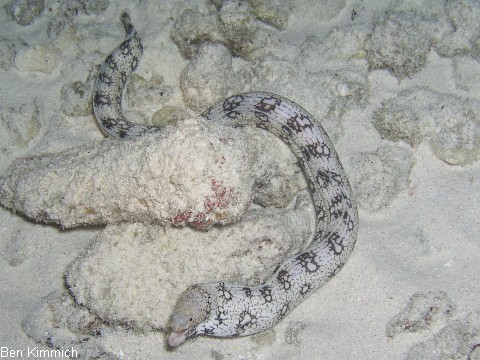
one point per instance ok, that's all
(424, 309)
(449, 123)
(24, 12)
(458, 340)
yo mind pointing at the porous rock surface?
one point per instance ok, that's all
(133, 274)
(182, 176)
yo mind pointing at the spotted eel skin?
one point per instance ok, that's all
(225, 310)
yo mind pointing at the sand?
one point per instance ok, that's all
(394, 83)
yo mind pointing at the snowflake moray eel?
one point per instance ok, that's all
(225, 310)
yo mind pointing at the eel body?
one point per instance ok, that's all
(226, 310)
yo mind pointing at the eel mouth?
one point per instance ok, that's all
(177, 337)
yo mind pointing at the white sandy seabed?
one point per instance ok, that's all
(90, 264)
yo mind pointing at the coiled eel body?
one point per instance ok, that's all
(225, 310)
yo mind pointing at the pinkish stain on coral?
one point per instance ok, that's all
(216, 208)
